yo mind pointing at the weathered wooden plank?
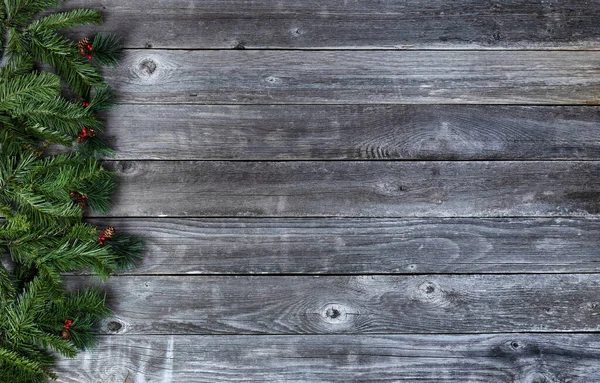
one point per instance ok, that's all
(357, 188)
(522, 358)
(354, 77)
(363, 246)
(351, 304)
(412, 24)
(423, 132)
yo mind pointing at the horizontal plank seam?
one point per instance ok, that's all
(391, 103)
(209, 275)
(270, 275)
(348, 160)
(587, 216)
(363, 49)
(354, 334)
(352, 160)
(374, 104)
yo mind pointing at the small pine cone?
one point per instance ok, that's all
(65, 334)
(81, 203)
(75, 196)
(109, 232)
(85, 47)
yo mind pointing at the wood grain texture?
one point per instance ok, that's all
(356, 189)
(351, 304)
(310, 24)
(510, 80)
(422, 132)
(355, 77)
(507, 358)
(363, 246)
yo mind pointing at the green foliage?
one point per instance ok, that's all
(43, 197)
(106, 49)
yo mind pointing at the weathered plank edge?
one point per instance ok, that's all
(369, 304)
(356, 189)
(518, 357)
(363, 246)
(353, 132)
(299, 25)
(411, 77)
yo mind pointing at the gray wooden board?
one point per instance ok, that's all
(424, 132)
(413, 24)
(369, 304)
(354, 77)
(355, 246)
(509, 358)
(356, 188)
(169, 327)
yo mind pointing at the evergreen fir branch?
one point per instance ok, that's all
(41, 86)
(43, 209)
(6, 212)
(102, 98)
(64, 20)
(15, 226)
(86, 308)
(62, 55)
(16, 43)
(7, 288)
(94, 146)
(127, 250)
(19, 12)
(78, 256)
(99, 189)
(41, 197)
(58, 114)
(106, 49)
(11, 359)
(17, 65)
(51, 341)
(39, 132)
(89, 302)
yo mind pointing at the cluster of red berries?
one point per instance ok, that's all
(87, 131)
(66, 333)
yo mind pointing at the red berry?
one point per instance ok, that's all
(89, 57)
(89, 47)
(68, 323)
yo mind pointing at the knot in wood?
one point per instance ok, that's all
(334, 313)
(272, 80)
(433, 294)
(125, 167)
(428, 288)
(114, 326)
(147, 67)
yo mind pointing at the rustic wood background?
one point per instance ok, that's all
(391, 190)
